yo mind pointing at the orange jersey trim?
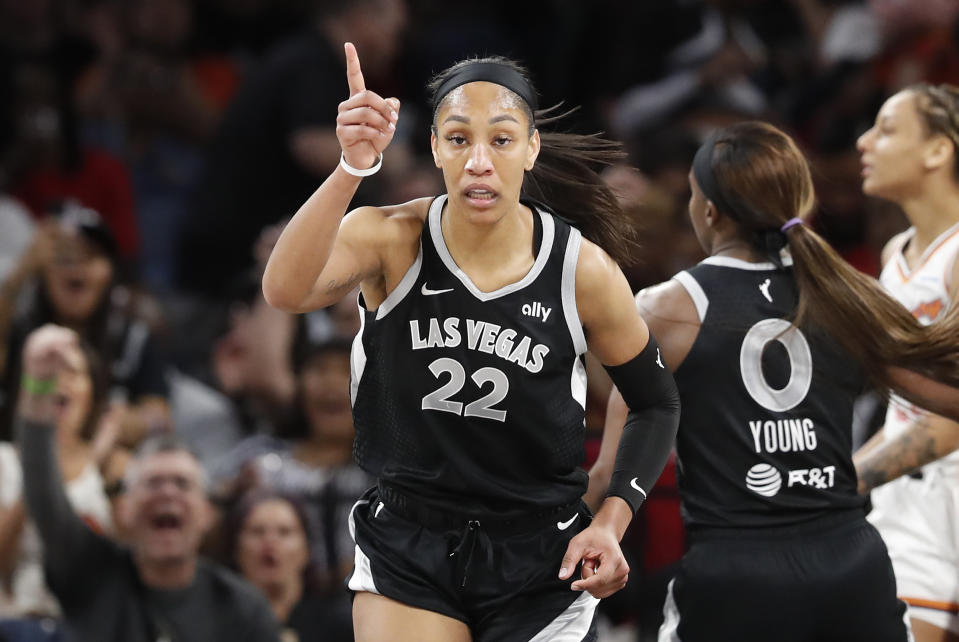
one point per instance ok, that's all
(948, 607)
(923, 259)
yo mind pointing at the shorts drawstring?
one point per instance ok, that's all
(468, 543)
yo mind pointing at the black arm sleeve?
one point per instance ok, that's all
(648, 388)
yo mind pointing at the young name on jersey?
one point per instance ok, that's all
(783, 435)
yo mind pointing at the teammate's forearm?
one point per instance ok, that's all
(925, 441)
(306, 243)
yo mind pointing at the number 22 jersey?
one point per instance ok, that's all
(475, 401)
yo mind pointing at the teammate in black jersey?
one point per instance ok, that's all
(468, 382)
(779, 545)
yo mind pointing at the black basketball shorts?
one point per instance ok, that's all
(501, 579)
(828, 580)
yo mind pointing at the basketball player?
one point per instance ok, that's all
(468, 384)
(909, 157)
(779, 545)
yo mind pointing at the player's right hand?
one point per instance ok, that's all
(366, 122)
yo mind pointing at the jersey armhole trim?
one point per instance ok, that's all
(357, 354)
(696, 293)
(570, 310)
(403, 287)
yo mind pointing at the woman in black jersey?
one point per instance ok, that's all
(771, 338)
(468, 385)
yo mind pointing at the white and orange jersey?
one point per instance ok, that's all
(924, 291)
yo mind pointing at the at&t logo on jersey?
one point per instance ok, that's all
(764, 479)
(822, 478)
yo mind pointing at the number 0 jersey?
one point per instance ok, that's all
(475, 401)
(765, 435)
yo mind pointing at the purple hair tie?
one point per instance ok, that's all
(788, 224)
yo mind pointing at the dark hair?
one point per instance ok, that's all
(88, 223)
(760, 169)
(100, 389)
(566, 173)
(295, 426)
(306, 350)
(13, 369)
(102, 332)
(938, 107)
(236, 519)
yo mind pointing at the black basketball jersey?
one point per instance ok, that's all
(475, 401)
(765, 436)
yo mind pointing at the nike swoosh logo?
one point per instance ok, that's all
(425, 291)
(569, 522)
(636, 486)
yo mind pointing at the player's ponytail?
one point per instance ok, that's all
(765, 183)
(566, 174)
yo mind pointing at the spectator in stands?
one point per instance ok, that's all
(74, 284)
(270, 546)
(276, 141)
(154, 102)
(157, 587)
(311, 457)
(51, 164)
(28, 610)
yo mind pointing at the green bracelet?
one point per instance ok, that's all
(34, 386)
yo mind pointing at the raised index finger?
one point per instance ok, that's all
(354, 75)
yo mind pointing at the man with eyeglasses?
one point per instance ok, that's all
(156, 587)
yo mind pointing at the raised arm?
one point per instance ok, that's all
(320, 256)
(67, 542)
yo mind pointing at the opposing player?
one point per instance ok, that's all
(468, 383)
(780, 546)
(910, 157)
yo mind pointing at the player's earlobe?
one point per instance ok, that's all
(710, 213)
(436, 156)
(533, 152)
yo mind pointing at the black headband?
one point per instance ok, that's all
(494, 72)
(703, 173)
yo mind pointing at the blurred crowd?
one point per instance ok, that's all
(150, 151)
